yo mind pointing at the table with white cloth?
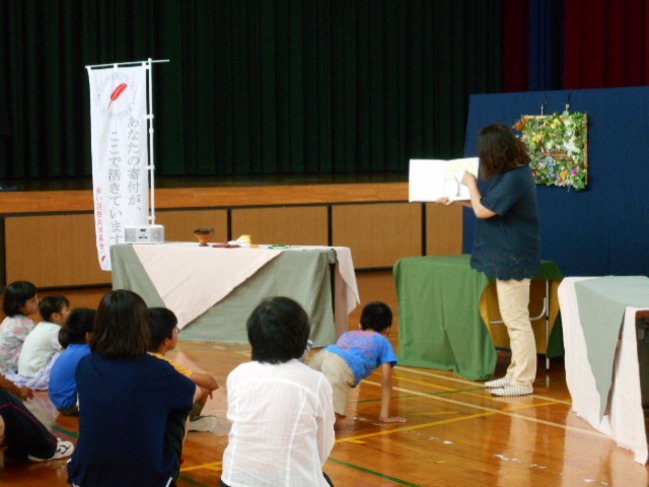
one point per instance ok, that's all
(601, 359)
(213, 290)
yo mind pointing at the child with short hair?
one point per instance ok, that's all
(20, 301)
(164, 337)
(74, 336)
(42, 346)
(356, 355)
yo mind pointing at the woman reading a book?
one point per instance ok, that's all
(507, 244)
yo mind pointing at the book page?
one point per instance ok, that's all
(431, 179)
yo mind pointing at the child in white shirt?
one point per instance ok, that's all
(42, 347)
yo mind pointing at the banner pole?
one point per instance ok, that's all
(150, 132)
(131, 63)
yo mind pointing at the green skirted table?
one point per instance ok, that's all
(213, 290)
(440, 324)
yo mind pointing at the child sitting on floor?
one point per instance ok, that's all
(20, 301)
(356, 355)
(164, 337)
(25, 436)
(41, 347)
(74, 336)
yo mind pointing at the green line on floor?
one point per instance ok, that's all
(191, 481)
(372, 472)
(375, 400)
(61, 430)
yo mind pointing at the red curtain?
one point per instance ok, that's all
(606, 43)
(516, 59)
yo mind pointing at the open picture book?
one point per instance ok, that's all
(432, 179)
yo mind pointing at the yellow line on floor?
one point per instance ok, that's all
(437, 386)
(437, 413)
(215, 466)
(503, 411)
(354, 439)
(401, 368)
(527, 406)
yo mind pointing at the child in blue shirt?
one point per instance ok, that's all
(356, 355)
(73, 337)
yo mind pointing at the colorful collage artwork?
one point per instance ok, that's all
(558, 146)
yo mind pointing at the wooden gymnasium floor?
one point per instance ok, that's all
(456, 434)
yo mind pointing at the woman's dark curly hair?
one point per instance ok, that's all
(500, 150)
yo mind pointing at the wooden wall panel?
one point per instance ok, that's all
(57, 250)
(228, 195)
(53, 251)
(378, 234)
(180, 224)
(275, 195)
(300, 225)
(443, 229)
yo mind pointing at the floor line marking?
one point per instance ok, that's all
(73, 434)
(414, 427)
(499, 411)
(528, 406)
(403, 368)
(192, 481)
(468, 391)
(372, 472)
(437, 413)
(207, 466)
(378, 399)
(466, 381)
(478, 388)
(444, 388)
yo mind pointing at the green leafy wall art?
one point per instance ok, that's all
(558, 146)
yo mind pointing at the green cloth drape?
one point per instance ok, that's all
(253, 86)
(440, 325)
(305, 276)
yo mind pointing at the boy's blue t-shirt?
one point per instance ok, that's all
(508, 245)
(63, 386)
(364, 351)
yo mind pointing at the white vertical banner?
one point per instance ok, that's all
(118, 118)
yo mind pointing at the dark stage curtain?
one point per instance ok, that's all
(533, 49)
(516, 47)
(546, 44)
(606, 43)
(255, 86)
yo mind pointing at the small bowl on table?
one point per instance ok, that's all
(204, 235)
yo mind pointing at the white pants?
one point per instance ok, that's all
(513, 301)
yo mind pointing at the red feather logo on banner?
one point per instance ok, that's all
(116, 93)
